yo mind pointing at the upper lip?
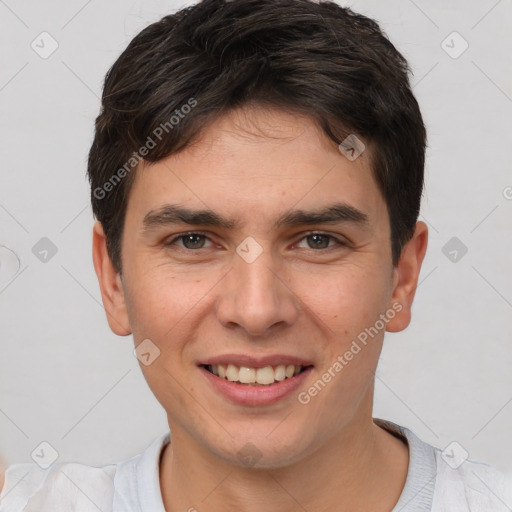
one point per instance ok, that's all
(255, 362)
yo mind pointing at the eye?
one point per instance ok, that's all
(320, 241)
(192, 240)
(197, 240)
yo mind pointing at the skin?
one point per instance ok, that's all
(253, 165)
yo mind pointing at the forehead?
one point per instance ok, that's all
(258, 160)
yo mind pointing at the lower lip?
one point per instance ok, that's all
(245, 394)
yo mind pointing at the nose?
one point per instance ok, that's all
(256, 297)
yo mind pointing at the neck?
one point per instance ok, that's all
(362, 468)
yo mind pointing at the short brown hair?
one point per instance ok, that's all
(314, 58)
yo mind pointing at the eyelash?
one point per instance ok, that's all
(306, 235)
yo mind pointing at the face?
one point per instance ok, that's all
(261, 247)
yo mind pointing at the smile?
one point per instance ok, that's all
(265, 376)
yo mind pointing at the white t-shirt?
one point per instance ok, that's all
(435, 483)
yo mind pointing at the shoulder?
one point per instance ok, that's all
(448, 481)
(65, 486)
(74, 487)
(479, 485)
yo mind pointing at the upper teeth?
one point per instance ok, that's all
(246, 375)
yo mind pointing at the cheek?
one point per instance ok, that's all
(346, 300)
(168, 310)
(349, 305)
(162, 302)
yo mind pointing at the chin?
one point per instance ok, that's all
(261, 451)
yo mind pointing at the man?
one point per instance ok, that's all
(256, 174)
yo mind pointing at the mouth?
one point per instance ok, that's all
(255, 381)
(259, 377)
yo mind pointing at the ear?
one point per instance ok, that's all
(112, 291)
(405, 278)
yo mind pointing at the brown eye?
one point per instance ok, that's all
(189, 241)
(319, 241)
(193, 241)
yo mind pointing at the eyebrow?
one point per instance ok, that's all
(174, 214)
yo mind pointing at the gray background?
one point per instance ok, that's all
(67, 380)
